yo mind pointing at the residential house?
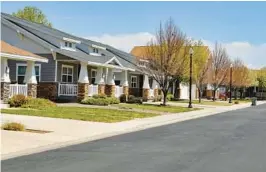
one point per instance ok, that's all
(77, 67)
(26, 71)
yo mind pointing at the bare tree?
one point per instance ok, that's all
(167, 55)
(201, 65)
(220, 65)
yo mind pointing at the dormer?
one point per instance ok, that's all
(96, 50)
(69, 44)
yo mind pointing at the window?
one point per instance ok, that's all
(21, 71)
(93, 75)
(133, 81)
(67, 74)
(95, 50)
(68, 45)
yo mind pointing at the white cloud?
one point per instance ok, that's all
(253, 55)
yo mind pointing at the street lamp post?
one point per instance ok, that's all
(190, 78)
(231, 71)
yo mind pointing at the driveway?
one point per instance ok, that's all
(229, 142)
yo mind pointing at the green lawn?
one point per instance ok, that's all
(216, 103)
(158, 108)
(80, 113)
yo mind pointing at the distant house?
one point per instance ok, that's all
(77, 67)
(139, 52)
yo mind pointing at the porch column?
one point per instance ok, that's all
(125, 83)
(110, 86)
(5, 80)
(146, 88)
(83, 81)
(30, 79)
(100, 80)
(155, 88)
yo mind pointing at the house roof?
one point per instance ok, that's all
(18, 53)
(45, 35)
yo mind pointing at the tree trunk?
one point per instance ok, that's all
(200, 95)
(177, 87)
(164, 97)
(235, 93)
(214, 91)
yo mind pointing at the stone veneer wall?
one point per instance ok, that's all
(83, 89)
(110, 90)
(101, 89)
(5, 91)
(145, 94)
(32, 90)
(47, 90)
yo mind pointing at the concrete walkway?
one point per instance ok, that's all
(67, 132)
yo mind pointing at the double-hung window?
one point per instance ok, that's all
(95, 50)
(93, 75)
(67, 74)
(21, 72)
(133, 81)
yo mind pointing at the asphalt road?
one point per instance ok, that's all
(228, 142)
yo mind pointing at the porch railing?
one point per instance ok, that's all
(93, 89)
(118, 91)
(18, 89)
(67, 89)
(151, 93)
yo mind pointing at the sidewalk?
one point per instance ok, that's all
(67, 132)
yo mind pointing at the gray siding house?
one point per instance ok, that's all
(76, 67)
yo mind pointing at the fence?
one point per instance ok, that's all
(93, 89)
(18, 89)
(67, 89)
(118, 91)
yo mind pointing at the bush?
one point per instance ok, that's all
(97, 96)
(236, 102)
(136, 100)
(17, 100)
(14, 126)
(38, 103)
(169, 96)
(123, 98)
(100, 100)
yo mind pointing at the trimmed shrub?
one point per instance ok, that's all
(97, 96)
(169, 96)
(102, 101)
(38, 103)
(123, 98)
(14, 126)
(236, 102)
(17, 100)
(135, 100)
(113, 100)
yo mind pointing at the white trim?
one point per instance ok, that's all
(97, 46)
(95, 54)
(55, 76)
(68, 48)
(133, 76)
(110, 66)
(24, 64)
(24, 58)
(114, 59)
(71, 40)
(67, 66)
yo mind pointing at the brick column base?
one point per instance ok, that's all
(156, 93)
(209, 94)
(5, 91)
(101, 89)
(125, 90)
(110, 90)
(83, 89)
(47, 90)
(32, 90)
(145, 94)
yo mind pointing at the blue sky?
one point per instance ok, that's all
(242, 23)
